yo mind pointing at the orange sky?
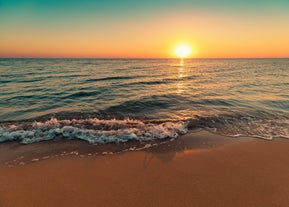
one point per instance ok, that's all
(210, 33)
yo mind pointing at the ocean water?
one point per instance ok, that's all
(116, 100)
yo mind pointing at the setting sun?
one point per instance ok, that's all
(183, 51)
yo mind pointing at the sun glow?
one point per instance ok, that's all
(183, 51)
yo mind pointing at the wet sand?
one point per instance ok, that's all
(199, 169)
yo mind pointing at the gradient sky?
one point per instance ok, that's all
(151, 28)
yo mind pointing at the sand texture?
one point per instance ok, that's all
(199, 169)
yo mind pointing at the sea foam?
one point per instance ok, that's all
(92, 130)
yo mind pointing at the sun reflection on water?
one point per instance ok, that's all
(180, 84)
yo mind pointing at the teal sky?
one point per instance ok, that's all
(103, 16)
(45, 9)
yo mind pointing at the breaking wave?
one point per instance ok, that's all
(91, 130)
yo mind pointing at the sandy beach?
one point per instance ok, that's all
(198, 169)
(108, 103)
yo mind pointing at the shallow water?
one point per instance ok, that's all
(232, 97)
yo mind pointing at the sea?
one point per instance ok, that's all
(119, 100)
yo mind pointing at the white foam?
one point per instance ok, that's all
(91, 130)
(263, 129)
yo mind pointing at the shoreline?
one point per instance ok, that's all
(198, 169)
(15, 153)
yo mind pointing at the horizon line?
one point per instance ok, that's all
(143, 58)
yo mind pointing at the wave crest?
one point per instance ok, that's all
(91, 130)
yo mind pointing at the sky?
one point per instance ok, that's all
(144, 29)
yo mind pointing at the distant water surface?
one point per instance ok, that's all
(148, 98)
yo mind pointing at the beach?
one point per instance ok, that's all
(198, 169)
(144, 103)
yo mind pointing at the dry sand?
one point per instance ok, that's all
(199, 169)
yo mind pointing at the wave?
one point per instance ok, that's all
(110, 78)
(91, 130)
(257, 124)
(83, 94)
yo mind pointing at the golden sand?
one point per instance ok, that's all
(198, 169)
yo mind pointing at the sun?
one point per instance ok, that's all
(183, 51)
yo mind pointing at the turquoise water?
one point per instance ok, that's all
(113, 100)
